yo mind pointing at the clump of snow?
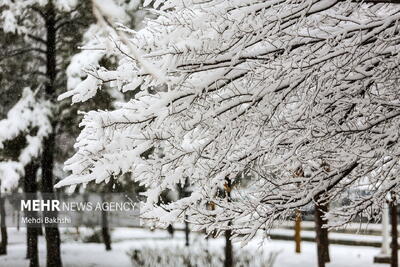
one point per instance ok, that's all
(28, 114)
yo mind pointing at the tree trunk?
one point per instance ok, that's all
(395, 246)
(187, 232)
(52, 233)
(53, 258)
(18, 219)
(297, 231)
(4, 237)
(30, 187)
(105, 228)
(318, 237)
(183, 192)
(324, 232)
(228, 249)
(105, 231)
(32, 243)
(321, 235)
(40, 230)
(171, 230)
(228, 233)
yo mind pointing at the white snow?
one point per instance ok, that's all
(124, 239)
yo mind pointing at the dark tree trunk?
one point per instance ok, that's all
(51, 63)
(40, 230)
(52, 233)
(4, 237)
(228, 233)
(32, 246)
(171, 230)
(321, 234)
(53, 258)
(297, 231)
(18, 219)
(105, 231)
(324, 232)
(105, 228)
(30, 187)
(395, 245)
(187, 231)
(228, 249)
(318, 239)
(183, 192)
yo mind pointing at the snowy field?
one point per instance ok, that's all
(77, 254)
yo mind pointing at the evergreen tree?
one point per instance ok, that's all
(45, 35)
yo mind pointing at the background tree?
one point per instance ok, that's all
(27, 124)
(47, 34)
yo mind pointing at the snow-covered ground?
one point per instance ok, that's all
(77, 254)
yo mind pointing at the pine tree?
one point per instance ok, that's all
(46, 34)
(27, 124)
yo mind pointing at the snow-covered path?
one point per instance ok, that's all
(76, 254)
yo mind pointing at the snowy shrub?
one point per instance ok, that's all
(91, 235)
(196, 257)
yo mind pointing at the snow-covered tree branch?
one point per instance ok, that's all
(29, 118)
(285, 100)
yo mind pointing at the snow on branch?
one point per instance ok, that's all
(29, 118)
(285, 100)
